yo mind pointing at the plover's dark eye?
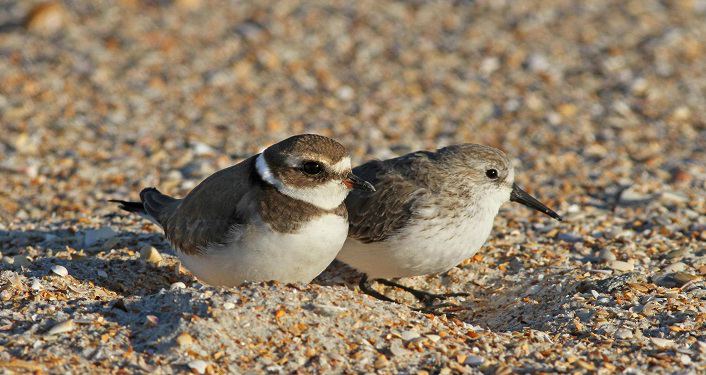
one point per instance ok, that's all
(311, 168)
(492, 174)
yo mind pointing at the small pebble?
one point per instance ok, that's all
(46, 18)
(569, 237)
(675, 267)
(328, 310)
(676, 254)
(198, 365)
(474, 360)
(397, 348)
(36, 284)
(177, 285)
(150, 254)
(229, 305)
(184, 339)
(606, 256)
(60, 270)
(93, 236)
(662, 343)
(21, 261)
(682, 278)
(621, 266)
(380, 362)
(151, 320)
(623, 334)
(409, 335)
(62, 327)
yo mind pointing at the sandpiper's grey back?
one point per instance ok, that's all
(450, 176)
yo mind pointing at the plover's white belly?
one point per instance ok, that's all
(428, 246)
(261, 254)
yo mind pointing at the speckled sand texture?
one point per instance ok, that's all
(602, 105)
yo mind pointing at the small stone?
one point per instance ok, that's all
(649, 308)
(151, 320)
(36, 284)
(380, 362)
(150, 254)
(229, 305)
(198, 365)
(397, 348)
(21, 261)
(662, 343)
(409, 335)
(621, 266)
(675, 267)
(177, 285)
(606, 256)
(111, 244)
(60, 270)
(569, 237)
(682, 278)
(433, 338)
(676, 254)
(102, 274)
(93, 236)
(623, 334)
(327, 310)
(184, 340)
(46, 18)
(474, 360)
(189, 4)
(62, 327)
(674, 197)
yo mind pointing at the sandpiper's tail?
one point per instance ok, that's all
(154, 207)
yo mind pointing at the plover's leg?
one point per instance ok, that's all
(426, 298)
(366, 288)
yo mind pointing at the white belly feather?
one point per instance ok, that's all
(260, 254)
(432, 244)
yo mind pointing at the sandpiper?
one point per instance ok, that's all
(430, 211)
(278, 215)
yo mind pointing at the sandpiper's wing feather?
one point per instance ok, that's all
(213, 211)
(398, 182)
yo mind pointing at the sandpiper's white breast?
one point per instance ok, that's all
(258, 253)
(436, 239)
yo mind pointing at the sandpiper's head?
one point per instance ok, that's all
(311, 168)
(490, 175)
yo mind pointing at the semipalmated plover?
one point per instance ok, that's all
(430, 211)
(278, 215)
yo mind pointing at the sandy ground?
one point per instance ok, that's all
(601, 104)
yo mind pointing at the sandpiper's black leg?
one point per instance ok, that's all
(424, 297)
(366, 288)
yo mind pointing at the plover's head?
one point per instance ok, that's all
(311, 168)
(489, 176)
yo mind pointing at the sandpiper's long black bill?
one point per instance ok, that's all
(520, 196)
(355, 182)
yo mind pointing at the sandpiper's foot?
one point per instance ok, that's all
(426, 298)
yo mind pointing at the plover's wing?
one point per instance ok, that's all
(215, 210)
(378, 215)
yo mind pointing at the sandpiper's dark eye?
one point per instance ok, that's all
(311, 168)
(492, 174)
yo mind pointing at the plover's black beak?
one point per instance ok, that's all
(355, 182)
(520, 196)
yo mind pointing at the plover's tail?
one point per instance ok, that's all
(134, 207)
(154, 207)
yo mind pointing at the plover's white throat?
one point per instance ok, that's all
(278, 215)
(430, 211)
